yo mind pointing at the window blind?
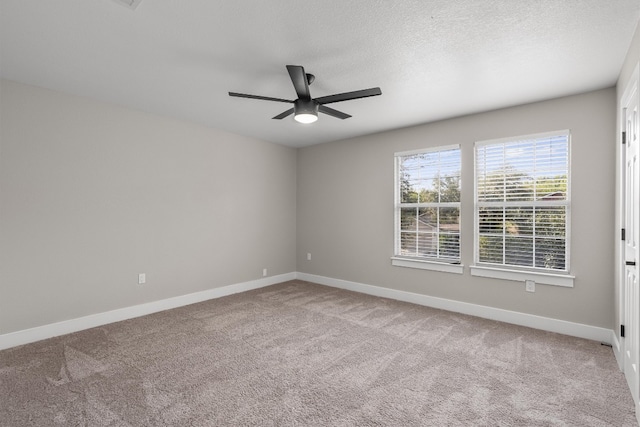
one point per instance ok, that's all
(522, 202)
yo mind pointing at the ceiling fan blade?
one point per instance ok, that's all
(299, 80)
(284, 114)
(332, 112)
(364, 93)
(264, 98)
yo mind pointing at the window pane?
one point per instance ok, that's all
(491, 249)
(428, 245)
(408, 244)
(550, 253)
(518, 186)
(450, 246)
(491, 221)
(551, 221)
(408, 219)
(491, 188)
(450, 188)
(519, 221)
(427, 219)
(551, 188)
(428, 191)
(449, 228)
(519, 251)
(519, 163)
(449, 220)
(408, 192)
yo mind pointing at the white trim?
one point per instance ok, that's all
(427, 150)
(529, 320)
(632, 87)
(427, 265)
(564, 280)
(398, 205)
(630, 92)
(566, 203)
(617, 350)
(431, 205)
(38, 333)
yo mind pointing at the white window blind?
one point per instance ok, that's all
(427, 208)
(523, 201)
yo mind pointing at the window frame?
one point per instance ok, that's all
(425, 263)
(521, 273)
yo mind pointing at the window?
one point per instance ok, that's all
(427, 208)
(522, 203)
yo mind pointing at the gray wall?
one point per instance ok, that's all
(345, 208)
(93, 194)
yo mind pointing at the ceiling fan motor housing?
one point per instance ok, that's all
(305, 106)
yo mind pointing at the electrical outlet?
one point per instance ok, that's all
(529, 286)
(308, 256)
(264, 272)
(142, 279)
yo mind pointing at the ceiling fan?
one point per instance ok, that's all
(305, 109)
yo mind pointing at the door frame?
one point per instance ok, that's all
(632, 89)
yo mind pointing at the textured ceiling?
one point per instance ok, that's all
(432, 59)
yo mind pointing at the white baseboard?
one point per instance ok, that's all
(532, 321)
(26, 336)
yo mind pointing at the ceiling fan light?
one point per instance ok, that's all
(305, 118)
(305, 111)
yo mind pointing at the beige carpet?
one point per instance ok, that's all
(300, 354)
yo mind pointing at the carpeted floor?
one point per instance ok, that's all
(300, 354)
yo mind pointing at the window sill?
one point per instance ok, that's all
(427, 265)
(564, 280)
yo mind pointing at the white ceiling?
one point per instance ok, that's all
(432, 59)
